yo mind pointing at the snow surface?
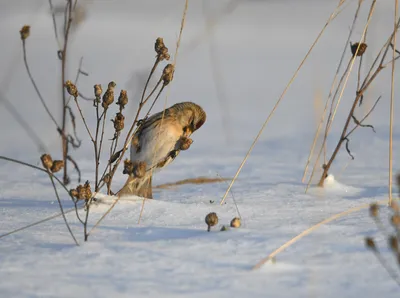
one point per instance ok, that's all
(246, 61)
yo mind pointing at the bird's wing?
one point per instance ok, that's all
(156, 142)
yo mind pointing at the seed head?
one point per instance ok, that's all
(128, 167)
(122, 99)
(108, 97)
(361, 50)
(394, 243)
(395, 220)
(25, 32)
(168, 74)
(118, 122)
(107, 178)
(71, 89)
(73, 193)
(369, 242)
(57, 166)
(47, 161)
(224, 228)
(211, 220)
(374, 210)
(83, 192)
(184, 143)
(98, 91)
(236, 222)
(161, 49)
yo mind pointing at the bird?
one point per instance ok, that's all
(157, 141)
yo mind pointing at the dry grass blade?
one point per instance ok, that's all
(311, 229)
(197, 180)
(392, 102)
(331, 17)
(331, 91)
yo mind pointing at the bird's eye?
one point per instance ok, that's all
(198, 124)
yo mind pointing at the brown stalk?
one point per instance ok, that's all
(367, 82)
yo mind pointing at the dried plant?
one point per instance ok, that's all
(391, 232)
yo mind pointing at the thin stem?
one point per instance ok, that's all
(35, 86)
(83, 119)
(392, 104)
(61, 208)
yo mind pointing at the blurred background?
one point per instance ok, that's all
(235, 59)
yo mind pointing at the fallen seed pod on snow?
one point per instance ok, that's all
(211, 220)
(235, 223)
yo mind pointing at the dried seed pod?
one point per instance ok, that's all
(373, 210)
(361, 50)
(139, 169)
(73, 193)
(98, 91)
(71, 89)
(47, 161)
(394, 243)
(108, 97)
(211, 220)
(57, 166)
(159, 45)
(81, 192)
(395, 220)
(224, 228)
(25, 32)
(87, 190)
(128, 167)
(168, 74)
(122, 99)
(107, 178)
(370, 243)
(236, 222)
(119, 122)
(184, 143)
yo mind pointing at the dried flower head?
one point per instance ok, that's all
(184, 143)
(373, 210)
(98, 91)
(395, 220)
(395, 206)
(122, 99)
(47, 161)
(71, 89)
(118, 122)
(211, 220)
(73, 193)
(361, 50)
(83, 192)
(107, 178)
(108, 97)
(394, 243)
(128, 167)
(370, 243)
(139, 169)
(236, 222)
(159, 45)
(168, 74)
(161, 50)
(57, 166)
(25, 32)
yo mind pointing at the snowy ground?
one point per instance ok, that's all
(245, 62)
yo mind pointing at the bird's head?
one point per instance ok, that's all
(191, 115)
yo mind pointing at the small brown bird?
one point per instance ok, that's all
(211, 220)
(158, 142)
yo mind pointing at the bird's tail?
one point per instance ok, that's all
(135, 186)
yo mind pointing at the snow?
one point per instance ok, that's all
(247, 59)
